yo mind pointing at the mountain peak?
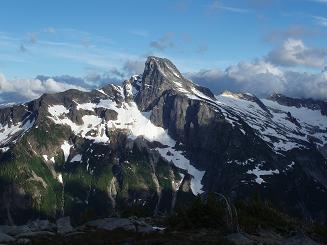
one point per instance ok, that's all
(161, 75)
(163, 66)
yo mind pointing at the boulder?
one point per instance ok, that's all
(299, 239)
(239, 239)
(143, 227)
(64, 226)
(41, 225)
(14, 230)
(35, 234)
(112, 224)
(23, 241)
(6, 238)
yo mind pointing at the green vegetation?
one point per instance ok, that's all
(213, 213)
(255, 214)
(30, 172)
(44, 138)
(84, 188)
(210, 214)
(103, 179)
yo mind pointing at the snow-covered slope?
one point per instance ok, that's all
(130, 119)
(282, 127)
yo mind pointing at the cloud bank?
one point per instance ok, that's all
(270, 74)
(27, 89)
(262, 78)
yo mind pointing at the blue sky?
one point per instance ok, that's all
(89, 38)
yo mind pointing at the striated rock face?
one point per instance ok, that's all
(155, 142)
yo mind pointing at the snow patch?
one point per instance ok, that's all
(259, 172)
(76, 158)
(57, 110)
(101, 91)
(66, 149)
(4, 149)
(60, 179)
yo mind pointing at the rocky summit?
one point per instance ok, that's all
(153, 144)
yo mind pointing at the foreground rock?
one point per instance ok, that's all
(64, 226)
(239, 239)
(5, 238)
(269, 237)
(40, 229)
(299, 239)
(14, 230)
(134, 230)
(35, 234)
(125, 224)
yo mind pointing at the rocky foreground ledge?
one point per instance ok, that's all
(132, 231)
(40, 229)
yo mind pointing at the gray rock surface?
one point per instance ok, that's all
(64, 225)
(35, 234)
(112, 224)
(14, 230)
(23, 241)
(299, 239)
(239, 239)
(41, 225)
(5, 238)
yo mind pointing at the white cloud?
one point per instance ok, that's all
(132, 67)
(293, 52)
(321, 20)
(217, 5)
(139, 33)
(33, 88)
(263, 79)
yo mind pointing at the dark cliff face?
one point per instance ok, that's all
(227, 151)
(197, 123)
(235, 144)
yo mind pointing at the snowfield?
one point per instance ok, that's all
(134, 122)
(276, 127)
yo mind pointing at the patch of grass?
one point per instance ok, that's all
(255, 214)
(42, 136)
(318, 232)
(103, 180)
(208, 214)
